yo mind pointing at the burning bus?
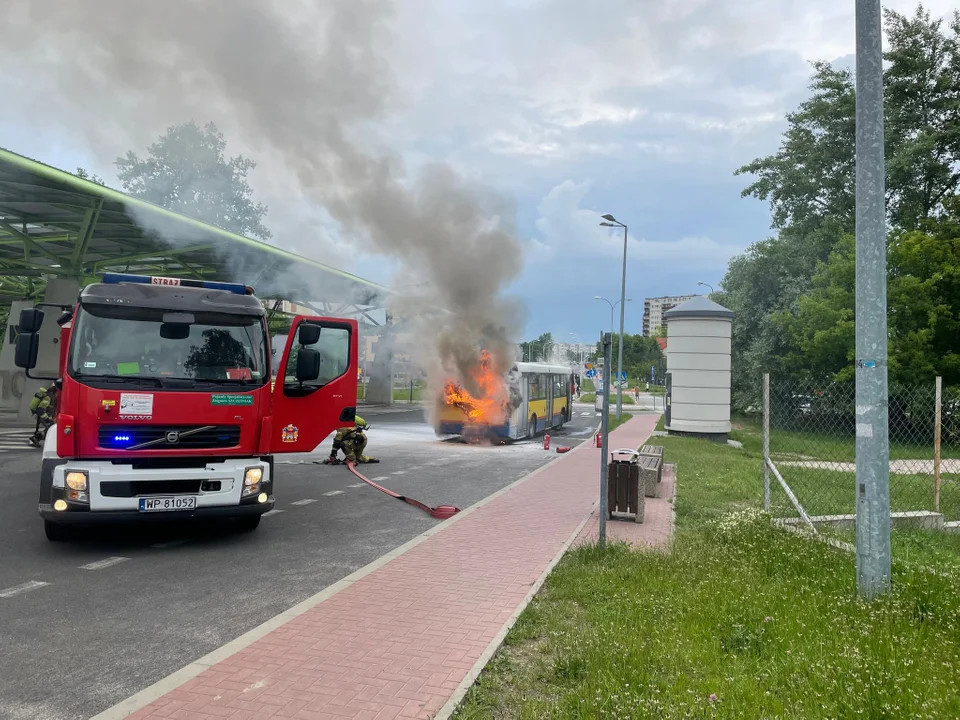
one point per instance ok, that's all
(530, 399)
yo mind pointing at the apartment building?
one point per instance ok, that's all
(654, 308)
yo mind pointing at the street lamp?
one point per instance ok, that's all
(612, 307)
(706, 285)
(611, 221)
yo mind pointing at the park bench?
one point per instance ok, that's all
(651, 468)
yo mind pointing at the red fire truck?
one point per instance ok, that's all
(166, 408)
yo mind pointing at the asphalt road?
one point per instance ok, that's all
(88, 623)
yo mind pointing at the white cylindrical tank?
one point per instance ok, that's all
(698, 363)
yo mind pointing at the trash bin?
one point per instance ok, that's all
(625, 496)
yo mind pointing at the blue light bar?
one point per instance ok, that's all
(115, 278)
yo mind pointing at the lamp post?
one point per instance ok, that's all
(612, 307)
(706, 285)
(611, 221)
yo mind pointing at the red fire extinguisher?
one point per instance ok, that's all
(598, 439)
(546, 442)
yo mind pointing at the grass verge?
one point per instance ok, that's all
(739, 621)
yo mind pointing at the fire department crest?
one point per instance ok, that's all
(290, 433)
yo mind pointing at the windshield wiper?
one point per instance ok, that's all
(154, 382)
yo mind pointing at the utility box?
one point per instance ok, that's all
(699, 335)
(625, 495)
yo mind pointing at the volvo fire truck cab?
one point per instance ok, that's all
(166, 409)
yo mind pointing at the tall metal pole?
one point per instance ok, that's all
(623, 304)
(873, 443)
(604, 443)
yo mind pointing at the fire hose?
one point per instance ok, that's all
(441, 512)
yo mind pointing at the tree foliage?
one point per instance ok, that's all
(186, 171)
(793, 294)
(639, 353)
(537, 350)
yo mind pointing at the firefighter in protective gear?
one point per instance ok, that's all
(43, 405)
(351, 440)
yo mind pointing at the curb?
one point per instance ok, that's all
(453, 703)
(154, 692)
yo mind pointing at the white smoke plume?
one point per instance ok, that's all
(301, 86)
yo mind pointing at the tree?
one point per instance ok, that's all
(81, 173)
(186, 171)
(792, 294)
(639, 353)
(923, 299)
(537, 350)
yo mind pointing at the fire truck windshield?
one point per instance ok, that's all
(125, 343)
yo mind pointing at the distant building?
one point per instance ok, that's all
(654, 308)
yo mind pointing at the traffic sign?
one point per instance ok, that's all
(591, 373)
(623, 375)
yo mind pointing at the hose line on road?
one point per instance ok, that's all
(441, 512)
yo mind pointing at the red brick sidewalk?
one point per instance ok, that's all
(407, 639)
(657, 526)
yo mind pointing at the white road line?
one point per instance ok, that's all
(356, 485)
(168, 544)
(380, 479)
(333, 492)
(25, 587)
(305, 501)
(101, 564)
(271, 512)
(399, 472)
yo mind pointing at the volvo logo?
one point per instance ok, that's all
(173, 437)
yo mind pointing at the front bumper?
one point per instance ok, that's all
(74, 516)
(114, 491)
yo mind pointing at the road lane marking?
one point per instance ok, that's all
(380, 479)
(101, 564)
(356, 485)
(305, 501)
(333, 492)
(271, 512)
(399, 472)
(22, 588)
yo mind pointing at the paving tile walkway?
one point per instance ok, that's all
(657, 526)
(407, 639)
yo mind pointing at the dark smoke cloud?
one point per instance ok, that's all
(302, 86)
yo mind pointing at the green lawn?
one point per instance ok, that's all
(590, 397)
(741, 620)
(830, 446)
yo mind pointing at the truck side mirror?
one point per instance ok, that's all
(308, 334)
(28, 348)
(308, 364)
(30, 320)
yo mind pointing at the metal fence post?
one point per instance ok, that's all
(766, 442)
(937, 420)
(604, 443)
(872, 421)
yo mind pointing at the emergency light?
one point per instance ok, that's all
(115, 278)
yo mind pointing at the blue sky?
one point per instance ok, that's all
(567, 109)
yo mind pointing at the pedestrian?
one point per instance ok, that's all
(648, 386)
(43, 405)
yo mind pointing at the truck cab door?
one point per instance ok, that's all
(316, 386)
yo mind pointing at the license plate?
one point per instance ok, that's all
(167, 504)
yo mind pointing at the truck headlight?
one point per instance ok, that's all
(251, 481)
(76, 481)
(252, 476)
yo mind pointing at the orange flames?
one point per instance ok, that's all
(488, 408)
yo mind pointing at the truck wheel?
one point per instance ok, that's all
(55, 532)
(248, 523)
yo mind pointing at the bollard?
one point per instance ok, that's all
(546, 442)
(598, 439)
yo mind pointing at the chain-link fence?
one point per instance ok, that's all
(810, 452)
